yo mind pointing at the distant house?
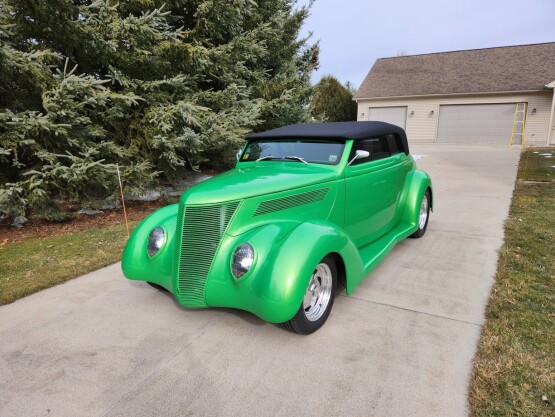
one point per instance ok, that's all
(474, 96)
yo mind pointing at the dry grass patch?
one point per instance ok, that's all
(514, 369)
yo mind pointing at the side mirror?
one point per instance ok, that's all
(358, 155)
(238, 154)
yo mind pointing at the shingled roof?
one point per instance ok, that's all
(510, 68)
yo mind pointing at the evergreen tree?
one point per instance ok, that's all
(333, 101)
(155, 87)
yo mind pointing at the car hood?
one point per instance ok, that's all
(264, 177)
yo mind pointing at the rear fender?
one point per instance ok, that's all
(415, 186)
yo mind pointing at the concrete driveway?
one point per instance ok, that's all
(402, 345)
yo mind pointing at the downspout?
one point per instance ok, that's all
(550, 126)
(356, 101)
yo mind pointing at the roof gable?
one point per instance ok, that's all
(504, 69)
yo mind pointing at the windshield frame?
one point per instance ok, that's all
(340, 153)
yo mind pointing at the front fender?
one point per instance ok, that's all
(304, 248)
(286, 254)
(137, 265)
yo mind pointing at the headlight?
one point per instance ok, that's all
(243, 257)
(155, 241)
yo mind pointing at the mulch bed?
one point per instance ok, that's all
(35, 227)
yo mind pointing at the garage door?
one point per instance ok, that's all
(478, 123)
(394, 115)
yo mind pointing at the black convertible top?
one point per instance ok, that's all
(334, 130)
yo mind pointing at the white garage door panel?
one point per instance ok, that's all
(477, 123)
(394, 115)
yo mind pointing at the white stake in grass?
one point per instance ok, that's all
(122, 200)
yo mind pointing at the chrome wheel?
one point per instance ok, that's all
(423, 215)
(318, 293)
(317, 302)
(423, 212)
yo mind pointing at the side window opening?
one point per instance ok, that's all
(392, 144)
(378, 148)
(395, 143)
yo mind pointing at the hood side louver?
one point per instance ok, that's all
(284, 203)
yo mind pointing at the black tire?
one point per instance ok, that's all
(422, 228)
(157, 286)
(310, 318)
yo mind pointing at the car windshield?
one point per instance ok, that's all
(314, 151)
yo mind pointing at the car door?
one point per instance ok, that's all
(372, 189)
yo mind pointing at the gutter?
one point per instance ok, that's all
(454, 94)
(550, 126)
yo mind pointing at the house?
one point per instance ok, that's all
(474, 96)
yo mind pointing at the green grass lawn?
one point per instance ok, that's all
(514, 370)
(36, 263)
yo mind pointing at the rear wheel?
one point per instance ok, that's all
(423, 216)
(318, 299)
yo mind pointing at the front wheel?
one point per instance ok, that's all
(318, 299)
(158, 287)
(423, 216)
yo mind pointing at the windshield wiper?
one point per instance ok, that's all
(296, 158)
(267, 157)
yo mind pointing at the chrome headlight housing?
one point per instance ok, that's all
(242, 260)
(156, 240)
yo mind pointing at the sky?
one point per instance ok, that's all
(354, 33)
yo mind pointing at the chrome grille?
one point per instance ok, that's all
(178, 237)
(203, 228)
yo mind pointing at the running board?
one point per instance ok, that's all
(373, 253)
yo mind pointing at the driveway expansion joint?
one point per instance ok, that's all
(466, 233)
(152, 374)
(412, 310)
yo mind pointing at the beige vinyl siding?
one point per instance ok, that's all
(422, 124)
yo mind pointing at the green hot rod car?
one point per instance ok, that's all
(305, 207)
